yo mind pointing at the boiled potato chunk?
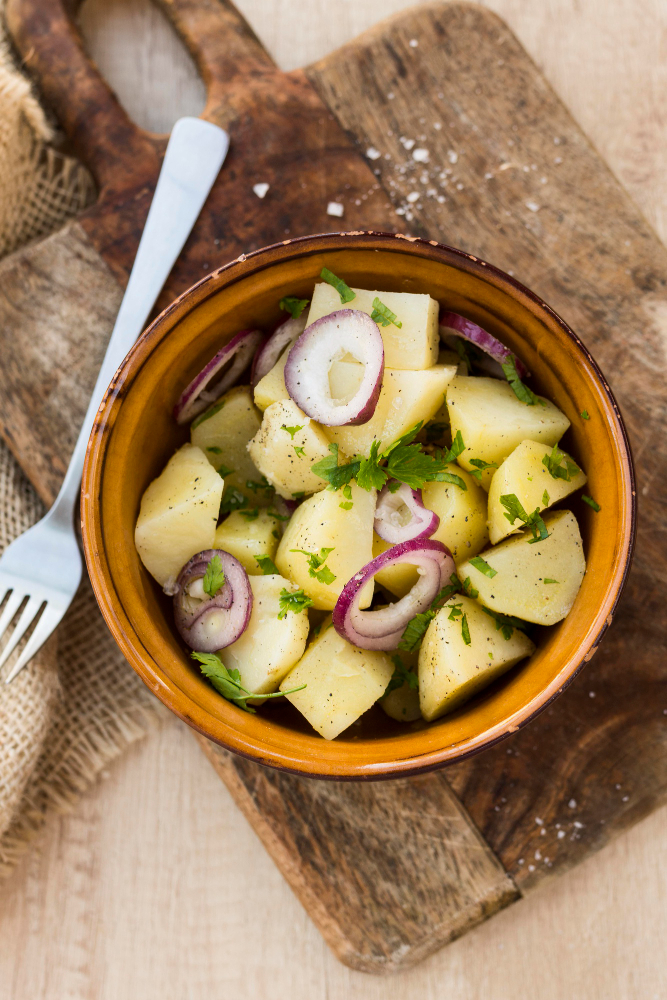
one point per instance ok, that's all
(535, 582)
(402, 704)
(492, 421)
(271, 388)
(285, 447)
(178, 514)
(406, 398)
(450, 671)
(524, 474)
(223, 431)
(342, 682)
(462, 528)
(270, 646)
(245, 537)
(412, 346)
(320, 522)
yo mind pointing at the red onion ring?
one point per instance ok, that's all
(422, 524)
(486, 342)
(206, 623)
(237, 354)
(382, 629)
(269, 351)
(347, 331)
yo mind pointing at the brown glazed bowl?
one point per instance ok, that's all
(135, 435)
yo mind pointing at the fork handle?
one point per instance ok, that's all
(194, 155)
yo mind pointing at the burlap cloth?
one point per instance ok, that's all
(78, 705)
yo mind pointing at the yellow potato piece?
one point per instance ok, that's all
(223, 431)
(284, 456)
(246, 537)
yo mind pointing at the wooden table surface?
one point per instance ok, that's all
(155, 887)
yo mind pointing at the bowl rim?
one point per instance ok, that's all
(111, 604)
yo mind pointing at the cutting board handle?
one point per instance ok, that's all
(103, 135)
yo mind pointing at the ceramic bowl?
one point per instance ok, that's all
(135, 435)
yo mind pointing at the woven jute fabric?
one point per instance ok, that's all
(78, 704)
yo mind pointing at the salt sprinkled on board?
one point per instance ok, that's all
(407, 143)
(533, 206)
(539, 821)
(572, 804)
(372, 153)
(335, 208)
(260, 189)
(560, 834)
(452, 156)
(413, 43)
(413, 196)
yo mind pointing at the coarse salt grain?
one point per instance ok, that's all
(560, 834)
(413, 43)
(420, 155)
(413, 196)
(572, 804)
(372, 153)
(260, 189)
(533, 206)
(335, 208)
(452, 156)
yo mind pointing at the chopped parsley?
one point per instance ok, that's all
(228, 682)
(554, 465)
(401, 675)
(468, 590)
(455, 612)
(416, 627)
(207, 414)
(293, 305)
(347, 493)
(382, 314)
(480, 465)
(232, 500)
(435, 431)
(292, 430)
(277, 516)
(215, 451)
(545, 499)
(316, 567)
(520, 390)
(299, 450)
(548, 579)
(214, 577)
(505, 624)
(293, 600)
(585, 415)
(251, 514)
(483, 566)
(224, 470)
(345, 292)
(267, 565)
(263, 486)
(515, 511)
(591, 502)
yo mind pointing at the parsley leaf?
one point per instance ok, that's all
(232, 500)
(224, 470)
(401, 675)
(483, 566)
(292, 430)
(293, 305)
(336, 475)
(214, 577)
(465, 630)
(585, 415)
(382, 314)
(207, 414)
(480, 465)
(520, 390)
(316, 567)
(267, 565)
(295, 601)
(416, 627)
(262, 486)
(545, 499)
(591, 502)
(548, 579)
(553, 463)
(215, 451)
(228, 682)
(345, 292)
(299, 450)
(250, 515)
(468, 590)
(505, 624)
(347, 493)
(515, 511)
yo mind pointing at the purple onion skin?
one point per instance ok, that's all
(383, 629)
(481, 338)
(424, 522)
(195, 399)
(232, 605)
(314, 400)
(268, 352)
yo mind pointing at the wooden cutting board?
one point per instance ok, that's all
(435, 123)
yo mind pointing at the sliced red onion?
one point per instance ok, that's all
(486, 342)
(228, 364)
(400, 516)
(382, 629)
(269, 351)
(347, 331)
(211, 623)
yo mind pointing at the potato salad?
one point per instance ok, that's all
(369, 509)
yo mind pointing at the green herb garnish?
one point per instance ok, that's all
(224, 470)
(207, 414)
(591, 502)
(299, 450)
(548, 579)
(267, 565)
(382, 314)
(515, 511)
(345, 292)
(468, 590)
(292, 430)
(228, 682)
(401, 675)
(347, 493)
(520, 390)
(480, 465)
(585, 414)
(545, 499)
(214, 577)
(505, 624)
(416, 627)
(232, 500)
(215, 451)
(554, 465)
(456, 612)
(251, 514)
(316, 567)
(483, 567)
(293, 600)
(293, 305)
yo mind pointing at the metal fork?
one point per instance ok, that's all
(43, 566)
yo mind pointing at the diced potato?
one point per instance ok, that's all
(270, 646)
(412, 346)
(284, 456)
(244, 538)
(462, 528)
(539, 582)
(447, 357)
(345, 378)
(271, 388)
(406, 398)
(523, 474)
(493, 421)
(223, 431)
(342, 682)
(450, 671)
(320, 522)
(402, 704)
(178, 515)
